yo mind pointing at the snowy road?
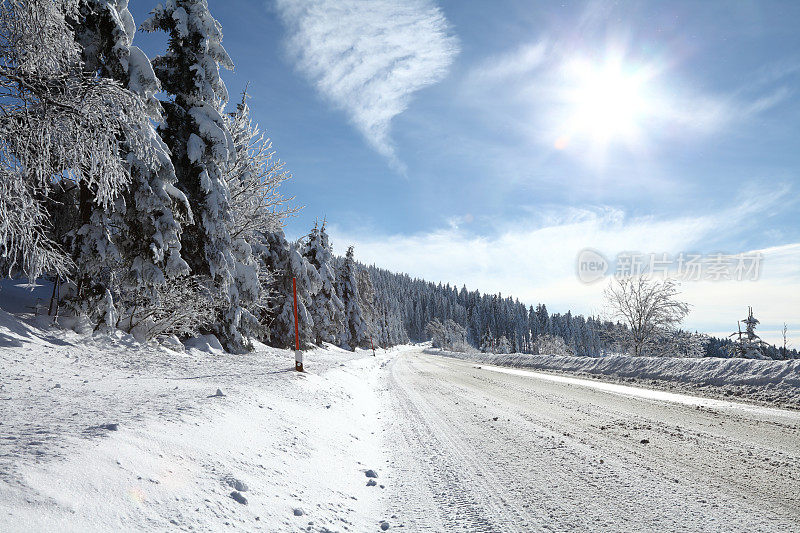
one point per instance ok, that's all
(488, 449)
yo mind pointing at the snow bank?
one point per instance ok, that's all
(705, 371)
(205, 343)
(100, 432)
(770, 381)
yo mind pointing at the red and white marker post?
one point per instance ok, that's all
(298, 355)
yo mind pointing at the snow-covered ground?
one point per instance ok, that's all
(770, 382)
(100, 433)
(505, 449)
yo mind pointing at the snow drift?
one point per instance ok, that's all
(101, 432)
(764, 380)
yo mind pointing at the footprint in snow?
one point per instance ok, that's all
(236, 484)
(108, 427)
(236, 495)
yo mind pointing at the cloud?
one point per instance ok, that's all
(768, 101)
(533, 259)
(369, 57)
(514, 64)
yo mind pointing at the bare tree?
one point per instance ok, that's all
(448, 335)
(181, 308)
(254, 177)
(647, 307)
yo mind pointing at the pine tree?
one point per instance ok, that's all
(543, 320)
(487, 341)
(366, 299)
(748, 344)
(285, 261)
(138, 240)
(202, 147)
(356, 331)
(503, 345)
(327, 309)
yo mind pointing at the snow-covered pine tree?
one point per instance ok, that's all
(366, 301)
(390, 303)
(503, 345)
(285, 261)
(522, 333)
(487, 341)
(747, 343)
(327, 309)
(356, 330)
(202, 146)
(568, 332)
(543, 323)
(138, 240)
(253, 178)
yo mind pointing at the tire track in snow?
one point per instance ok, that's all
(483, 451)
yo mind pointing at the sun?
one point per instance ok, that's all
(605, 103)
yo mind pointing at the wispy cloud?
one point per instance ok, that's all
(369, 57)
(517, 63)
(768, 101)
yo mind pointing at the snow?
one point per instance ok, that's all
(638, 392)
(211, 125)
(205, 343)
(102, 432)
(143, 79)
(775, 382)
(152, 474)
(181, 22)
(487, 450)
(195, 148)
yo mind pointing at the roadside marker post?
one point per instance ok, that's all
(373, 345)
(298, 355)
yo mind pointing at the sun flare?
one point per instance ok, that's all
(606, 103)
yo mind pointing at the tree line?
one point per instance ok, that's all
(464, 319)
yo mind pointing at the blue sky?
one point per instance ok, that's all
(487, 143)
